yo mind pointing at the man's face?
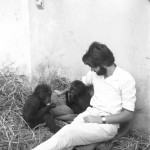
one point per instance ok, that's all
(99, 70)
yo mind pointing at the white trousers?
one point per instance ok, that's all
(80, 133)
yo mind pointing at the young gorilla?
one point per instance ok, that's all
(36, 108)
(78, 96)
(77, 100)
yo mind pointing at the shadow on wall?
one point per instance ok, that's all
(141, 120)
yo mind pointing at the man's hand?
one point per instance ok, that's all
(59, 93)
(92, 119)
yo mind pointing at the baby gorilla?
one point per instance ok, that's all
(37, 106)
(78, 96)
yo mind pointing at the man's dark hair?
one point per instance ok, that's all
(98, 55)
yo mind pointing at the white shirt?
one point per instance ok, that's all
(113, 93)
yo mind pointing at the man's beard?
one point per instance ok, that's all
(102, 71)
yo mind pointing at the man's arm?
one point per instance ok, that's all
(59, 93)
(123, 116)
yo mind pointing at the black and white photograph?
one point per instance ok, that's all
(75, 75)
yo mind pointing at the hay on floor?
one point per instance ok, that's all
(15, 134)
(132, 140)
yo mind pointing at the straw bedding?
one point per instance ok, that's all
(15, 134)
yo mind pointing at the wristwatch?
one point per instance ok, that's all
(103, 119)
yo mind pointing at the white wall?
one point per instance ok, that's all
(64, 30)
(14, 35)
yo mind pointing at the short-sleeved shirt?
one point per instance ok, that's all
(113, 93)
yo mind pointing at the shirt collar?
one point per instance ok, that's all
(115, 74)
